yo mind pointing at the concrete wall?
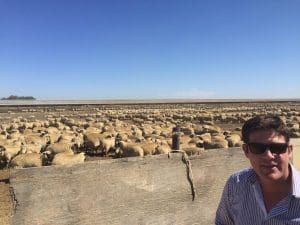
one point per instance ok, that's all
(150, 190)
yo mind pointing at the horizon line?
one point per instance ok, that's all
(141, 101)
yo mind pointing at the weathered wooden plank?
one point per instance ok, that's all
(150, 190)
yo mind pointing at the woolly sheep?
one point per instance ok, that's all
(129, 149)
(27, 160)
(234, 140)
(10, 150)
(68, 158)
(148, 147)
(107, 144)
(58, 148)
(162, 149)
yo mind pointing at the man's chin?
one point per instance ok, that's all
(271, 172)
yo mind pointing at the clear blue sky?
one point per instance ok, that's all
(95, 49)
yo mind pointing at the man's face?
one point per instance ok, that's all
(268, 166)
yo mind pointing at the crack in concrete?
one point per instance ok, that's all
(13, 198)
(187, 162)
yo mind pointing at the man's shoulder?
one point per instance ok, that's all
(239, 183)
(244, 176)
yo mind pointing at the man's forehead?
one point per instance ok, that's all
(269, 134)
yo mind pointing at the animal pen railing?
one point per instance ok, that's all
(149, 190)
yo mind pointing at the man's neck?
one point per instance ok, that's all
(280, 185)
(274, 191)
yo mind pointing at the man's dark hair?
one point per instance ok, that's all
(264, 122)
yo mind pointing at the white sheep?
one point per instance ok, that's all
(107, 144)
(27, 160)
(149, 147)
(129, 149)
(31, 148)
(58, 147)
(162, 148)
(234, 140)
(9, 151)
(68, 158)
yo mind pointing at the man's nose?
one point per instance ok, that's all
(269, 154)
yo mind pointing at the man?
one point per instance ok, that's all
(269, 192)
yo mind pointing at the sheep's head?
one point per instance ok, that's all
(47, 138)
(2, 149)
(47, 157)
(200, 143)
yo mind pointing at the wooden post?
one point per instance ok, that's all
(176, 138)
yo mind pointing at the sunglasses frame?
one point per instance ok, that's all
(275, 148)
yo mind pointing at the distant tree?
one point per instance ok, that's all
(15, 97)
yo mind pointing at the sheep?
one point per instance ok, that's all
(92, 130)
(32, 138)
(193, 150)
(163, 148)
(31, 148)
(211, 129)
(52, 137)
(206, 137)
(107, 144)
(68, 158)
(234, 140)
(27, 160)
(148, 147)
(129, 149)
(216, 142)
(92, 140)
(77, 142)
(58, 147)
(9, 151)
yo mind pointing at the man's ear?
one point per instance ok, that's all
(290, 150)
(245, 149)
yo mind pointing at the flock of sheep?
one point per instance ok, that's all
(65, 135)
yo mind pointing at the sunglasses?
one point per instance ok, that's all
(275, 148)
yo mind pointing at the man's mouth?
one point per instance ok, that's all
(270, 166)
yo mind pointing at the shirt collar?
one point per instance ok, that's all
(295, 182)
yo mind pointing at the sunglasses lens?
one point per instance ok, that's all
(278, 148)
(259, 148)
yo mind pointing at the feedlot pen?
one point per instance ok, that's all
(149, 190)
(145, 190)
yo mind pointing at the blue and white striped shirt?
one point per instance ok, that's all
(242, 202)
